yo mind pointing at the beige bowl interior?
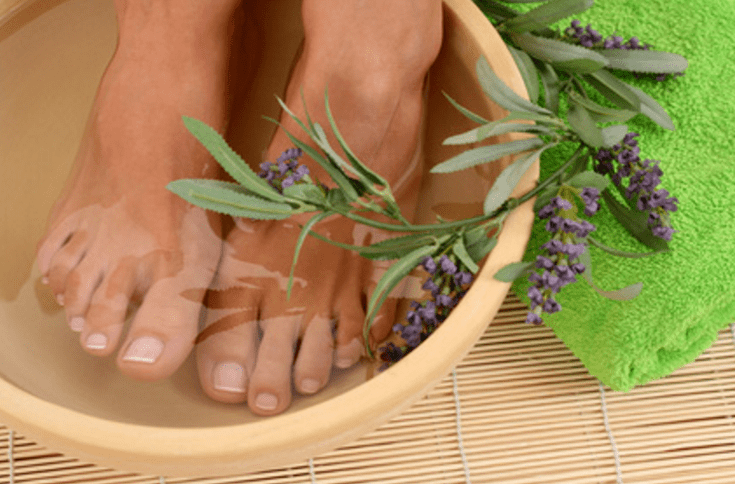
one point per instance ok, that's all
(52, 54)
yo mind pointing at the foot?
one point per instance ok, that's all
(116, 234)
(257, 345)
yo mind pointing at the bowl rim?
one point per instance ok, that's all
(296, 436)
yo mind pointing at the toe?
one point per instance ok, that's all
(383, 322)
(269, 392)
(81, 285)
(64, 261)
(53, 242)
(226, 358)
(314, 361)
(349, 345)
(163, 330)
(101, 321)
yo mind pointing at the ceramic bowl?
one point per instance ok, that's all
(53, 54)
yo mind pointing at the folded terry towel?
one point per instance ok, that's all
(688, 294)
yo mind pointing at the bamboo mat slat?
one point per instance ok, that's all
(525, 411)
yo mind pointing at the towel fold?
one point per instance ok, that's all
(688, 294)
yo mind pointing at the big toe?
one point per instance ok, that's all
(164, 328)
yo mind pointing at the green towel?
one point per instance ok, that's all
(688, 294)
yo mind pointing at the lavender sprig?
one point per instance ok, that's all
(286, 171)
(448, 282)
(643, 178)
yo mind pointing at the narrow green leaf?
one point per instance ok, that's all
(229, 198)
(299, 242)
(613, 134)
(615, 90)
(528, 72)
(322, 141)
(653, 110)
(511, 272)
(496, 10)
(305, 192)
(461, 252)
(635, 222)
(509, 178)
(620, 253)
(481, 248)
(493, 129)
(467, 113)
(582, 124)
(645, 61)
(396, 247)
(602, 114)
(624, 294)
(229, 160)
(359, 166)
(589, 179)
(503, 95)
(550, 80)
(486, 154)
(560, 55)
(395, 273)
(546, 14)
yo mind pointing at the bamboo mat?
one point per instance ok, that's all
(519, 409)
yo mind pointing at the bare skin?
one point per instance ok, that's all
(117, 235)
(374, 59)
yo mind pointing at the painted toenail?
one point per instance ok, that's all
(229, 377)
(97, 341)
(266, 401)
(145, 350)
(44, 280)
(77, 324)
(344, 363)
(60, 299)
(309, 385)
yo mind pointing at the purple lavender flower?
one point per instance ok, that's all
(644, 176)
(286, 171)
(429, 265)
(447, 265)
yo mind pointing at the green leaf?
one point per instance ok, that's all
(493, 129)
(467, 113)
(486, 154)
(544, 197)
(613, 134)
(615, 90)
(229, 160)
(589, 179)
(509, 178)
(481, 248)
(305, 192)
(601, 114)
(336, 198)
(645, 61)
(503, 95)
(582, 124)
(396, 247)
(299, 242)
(366, 172)
(395, 273)
(322, 141)
(528, 72)
(624, 294)
(635, 221)
(461, 252)
(550, 80)
(546, 14)
(511, 272)
(560, 55)
(229, 198)
(653, 110)
(620, 253)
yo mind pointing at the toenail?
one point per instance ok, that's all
(44, 280)
(60, 299)
(97, 341)
(229, 377)
(145, 350)
(266, 401)
(310, 385)
(77, 324)
(344, 363)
